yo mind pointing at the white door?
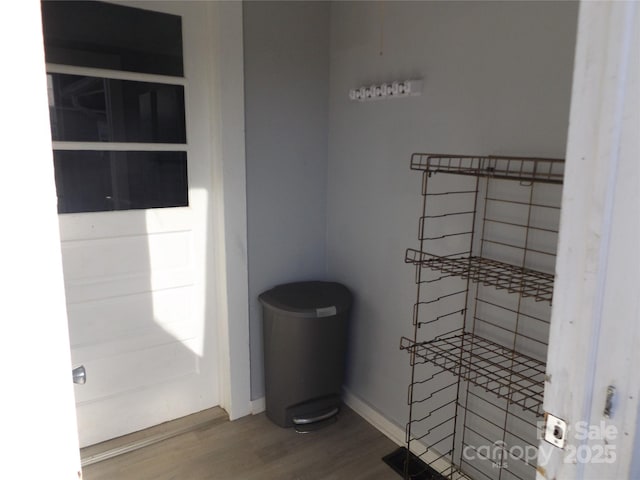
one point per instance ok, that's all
(39, 437)
(137, 281)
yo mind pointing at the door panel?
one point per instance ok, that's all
(139, 369)
(114, 319)
(104, 268)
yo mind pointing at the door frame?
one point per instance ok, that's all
(230, 201)
(595, 326)
(227, 228)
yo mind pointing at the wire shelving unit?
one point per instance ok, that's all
(484, 274)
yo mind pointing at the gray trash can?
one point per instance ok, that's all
(305, 343)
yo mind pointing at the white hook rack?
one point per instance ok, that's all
(405, 88)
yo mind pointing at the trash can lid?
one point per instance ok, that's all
(316, 299)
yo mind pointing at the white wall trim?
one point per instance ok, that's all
(394, 432)
(375, 418)
(229, 225)
(258, 406)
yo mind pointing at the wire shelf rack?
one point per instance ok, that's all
(547, 170)
(517, 378)
(484, 285)
(524, 281)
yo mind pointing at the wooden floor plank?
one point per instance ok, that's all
(253, 448)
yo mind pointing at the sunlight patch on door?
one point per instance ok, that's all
(173, 244)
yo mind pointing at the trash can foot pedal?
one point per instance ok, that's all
(311, 424)
(312, 427)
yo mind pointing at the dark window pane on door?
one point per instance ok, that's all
(92, 181)
(94, 109)
(115, 37)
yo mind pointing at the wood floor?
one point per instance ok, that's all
(253, 448)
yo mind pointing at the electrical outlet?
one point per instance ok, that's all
(555, 431)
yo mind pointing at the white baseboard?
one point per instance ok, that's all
(395, 433)
(257, 406)
(385, 426)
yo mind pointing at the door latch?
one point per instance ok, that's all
(608, 404)
(79, 375)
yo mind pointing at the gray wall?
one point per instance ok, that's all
(497, 78)
(286, 46)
